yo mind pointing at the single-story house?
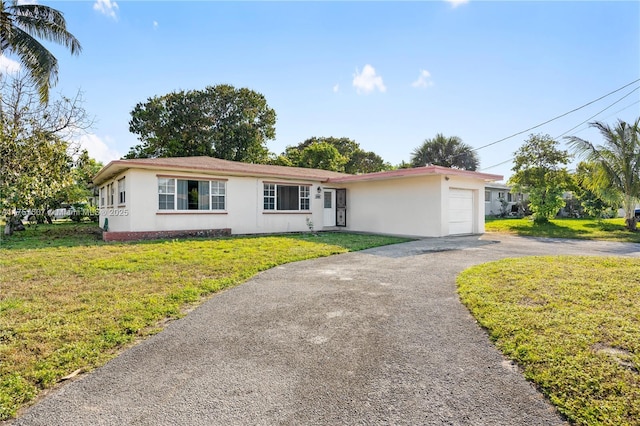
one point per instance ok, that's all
(166, 197)
(497, 193)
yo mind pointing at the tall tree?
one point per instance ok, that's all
(36, 152)
(445, 151)
(220, 121)
(618, 161)
(20, 26)
(322, 156)
(539, 167)
(356, 160)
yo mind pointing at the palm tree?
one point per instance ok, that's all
(20, 24)
(618, 162)
(445, 151)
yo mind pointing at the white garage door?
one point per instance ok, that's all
(460, 211)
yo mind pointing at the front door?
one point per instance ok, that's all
(329, 207)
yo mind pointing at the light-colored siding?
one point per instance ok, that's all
(244, 208)
(414, 206)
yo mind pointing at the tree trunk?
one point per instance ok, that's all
(630, 213)
(7, 227)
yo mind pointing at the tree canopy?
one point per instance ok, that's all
(445, 151)
(20, 25)
(616, 163)
(330, 153)
(539, 169)
(219, 121)
(36, 149)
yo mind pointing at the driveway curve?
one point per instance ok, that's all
(367, 338)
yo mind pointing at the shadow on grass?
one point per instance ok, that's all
(605, 226)
(550, 230)
(65, 234)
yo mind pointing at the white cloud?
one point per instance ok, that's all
(21, 2)
(155, 24)
(107, 7)
(368, 81)
(8, 66)
(98, 148)
(336, 88)
(456, 3)
(424, 80)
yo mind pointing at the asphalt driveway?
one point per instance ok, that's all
(374, 337)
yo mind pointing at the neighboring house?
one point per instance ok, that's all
(166, 197)
(495, 193)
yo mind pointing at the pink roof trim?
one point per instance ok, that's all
(234, 168)
(417, 171)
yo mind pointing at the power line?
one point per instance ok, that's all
(557, 117)
(598, 113)
(593, 116)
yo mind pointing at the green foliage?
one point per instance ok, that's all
(329, 153)
(446, 152)
(219, 121)
(596, 201)
(616, 164)
(321, 156)
(539, 171)
(572, 324)
(69, 308)
(36, 152)
(19, 23)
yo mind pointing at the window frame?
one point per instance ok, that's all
(122, 192)
(487, 196)
(272, 197)
(172, 190)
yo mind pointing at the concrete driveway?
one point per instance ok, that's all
(374, 337)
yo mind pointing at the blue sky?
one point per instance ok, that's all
(386, 74)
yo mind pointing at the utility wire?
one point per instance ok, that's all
(593, 116)
(598, 113)
(557, 117)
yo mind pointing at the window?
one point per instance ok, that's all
(102, 197)
(500, 195)
(183, 194)
(121, 192)
(487, 196)
(327, 200)
(218, 195)
(286, 197)
(166, 193)
(509, 197)
(110, 194)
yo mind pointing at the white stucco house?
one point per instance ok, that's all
(494, 193)
(167, 197)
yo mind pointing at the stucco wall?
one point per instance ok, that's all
(244, 207)
(413, 206)
(400, 206)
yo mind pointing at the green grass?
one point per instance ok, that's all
(70, 302)
(587, 229)
(572, 323)
(60, 234)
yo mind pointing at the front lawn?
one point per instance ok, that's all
(587, 229)
(69, 302)
(572, 323)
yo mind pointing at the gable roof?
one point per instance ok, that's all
(213, 165)
(210, 165)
